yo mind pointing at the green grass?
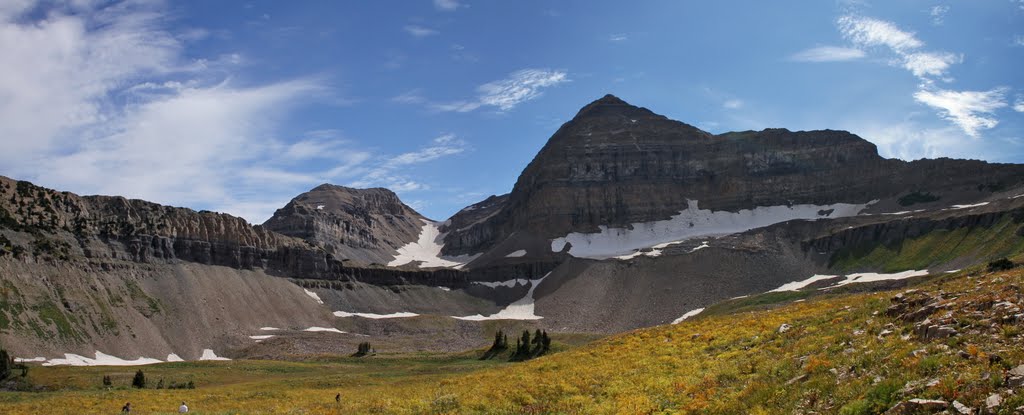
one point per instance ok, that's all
(935, 248)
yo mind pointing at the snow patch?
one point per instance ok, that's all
(688, 314)
(523, 309)
(319, 207)
(516, 254)
(797, 285)
(102, 359)
(313, 296)
(401, 314)
(444, 288)
(269, 328)
(689, 224)
(427, 250)
(327, 329)
(174, 358)
(261, 337)
(850, 279)
(656, 250)
(968, 206)
(208, 354)
(953, 271)
(29, 359)
(871, 276)
(509, 283)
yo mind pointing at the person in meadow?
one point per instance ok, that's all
(183, 408)
(127, 408)
(337, 398)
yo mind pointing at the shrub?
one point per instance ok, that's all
(106, 381)
(1001, 264)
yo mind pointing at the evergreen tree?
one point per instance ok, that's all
(546, 342)
(6, 364)
(139, 381)
(362, 350)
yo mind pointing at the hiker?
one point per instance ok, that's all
(337, 398)
(127, 408)
(183, 408)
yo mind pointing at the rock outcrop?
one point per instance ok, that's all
(365, 225)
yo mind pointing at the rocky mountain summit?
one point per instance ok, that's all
(365, 225)
(615, 164)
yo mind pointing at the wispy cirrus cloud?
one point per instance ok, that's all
(390, 171)
(419, 31)
(971, 111)
(447, 5)
(104, 98)
(938, 14)
(1018, 104)
(505, 94)
(828, 54)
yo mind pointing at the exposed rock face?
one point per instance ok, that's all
(616, 164)
(365, 225)
(462, 226)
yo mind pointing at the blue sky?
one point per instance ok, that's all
(239, 106)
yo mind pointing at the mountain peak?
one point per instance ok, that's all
(612, 105)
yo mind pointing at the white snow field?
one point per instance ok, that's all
(691, 223)
(850, 279)
(208, 354)
(656, 250)
(427, 249)
(313, 296)
(522, 309)
(327, 329)
(516, 254)
(29, 359)
(688, 314)
(173, 357)
(400, 314)
(102, 359)
(261, 337)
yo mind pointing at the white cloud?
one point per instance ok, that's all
(828, 54)
(733, 104)
(618, 37)
(505, 94)
(970, 110)
(927, 64)
(911, 141)
(1018, 40)
(419, 31)
(1018, 104)
(866, 31)
(390, 173)
(446, 5)
(938, 14)
(410, 97)
(102, 98)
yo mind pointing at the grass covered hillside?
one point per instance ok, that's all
(953, 343)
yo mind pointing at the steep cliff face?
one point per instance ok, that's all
(616, 164)
(365, 225)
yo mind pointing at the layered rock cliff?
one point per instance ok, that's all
(616, 164)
